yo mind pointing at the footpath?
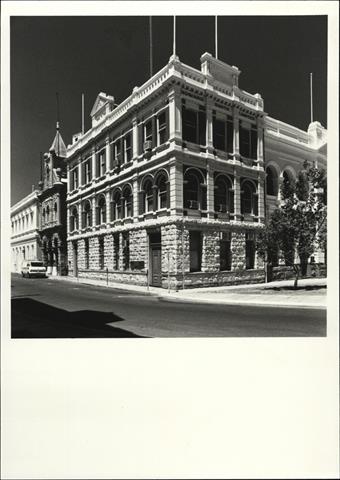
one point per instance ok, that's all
(311, 293)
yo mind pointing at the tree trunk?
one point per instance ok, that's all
(297, 271)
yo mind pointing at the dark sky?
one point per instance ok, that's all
(71, 55)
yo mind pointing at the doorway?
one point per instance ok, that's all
(155, 262)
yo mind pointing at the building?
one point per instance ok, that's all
(25, 244)
(52, 198)
(169, 187)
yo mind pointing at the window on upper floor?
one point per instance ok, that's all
(271, 181)
(162, 122)
(162, 191)
(101, 210)
(87, 171)
(194, 125)
(194, 191)
(223, 134)
(74, 178)
(128, 201)
(101, 163)
(249, 204)
(248, 142)
(116, 205)
(87, 214)
(127, 147)
(148, 131)
(223, 195)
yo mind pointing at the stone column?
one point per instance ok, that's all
(175, 117)
(209, 127)
(68, 219)
(261, 199)
(93, 153)
(260, 162)
(108, 209)
(121, 253)
(236, 122)
(237, 195)
(134, 138)
(107, 153)
(176, 187)
(80, 216)
(279, 184)
(94, 212)
(135, 199)
(210, 191)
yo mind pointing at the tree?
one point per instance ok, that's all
(299, 224)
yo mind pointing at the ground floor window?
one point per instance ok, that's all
(195, 240)
(87, 254)
(116, 251)
(126, 251)
(225, 252)
(250, 250)
(101, 253)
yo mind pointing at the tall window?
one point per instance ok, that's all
(148, 191)
(87, 253)
(116, 205)
(194, 126)
(116, 251)
(223, 134)
(223, 196)
(248, 198)
(127, 147)
(194, 192)
(101, 210)
(148, 131)
(101, 163)
(87, 214)
(126, 250)
(195, 241)
(248, 142)
(87, 171)
(161, 192)
(225, 252)
(74, 219)
(47, 213)
(250, 250)
(101, 252)
(128, 204)
(74, 178)
(162, 128)
(271, 181)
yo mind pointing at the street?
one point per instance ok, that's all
(47, 308)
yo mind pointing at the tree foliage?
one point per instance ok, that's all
(299, 224)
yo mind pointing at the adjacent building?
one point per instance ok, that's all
(25, 244)
(52, 199)
(171, 187)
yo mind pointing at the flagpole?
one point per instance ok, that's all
(216, 45)
(174, 32)
(151, 52)
(311, 98)
(57, 95)
(82, 114)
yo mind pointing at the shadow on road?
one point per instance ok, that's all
(33, 319)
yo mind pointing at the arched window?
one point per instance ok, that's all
(162, 192)
(87, 214)
(47, 213)
(271, 181)
(74, 224)
(44, 215)
(248, 199)
(116, 205)
(148, 191)
(101, 210)
(194, 196)
(223, 197)
(128, 203)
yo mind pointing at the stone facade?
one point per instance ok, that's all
(172, 182)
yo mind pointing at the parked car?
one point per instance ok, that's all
(33, 268)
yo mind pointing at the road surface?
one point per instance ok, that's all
(47, 308)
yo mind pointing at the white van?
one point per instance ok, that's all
(33, 268)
